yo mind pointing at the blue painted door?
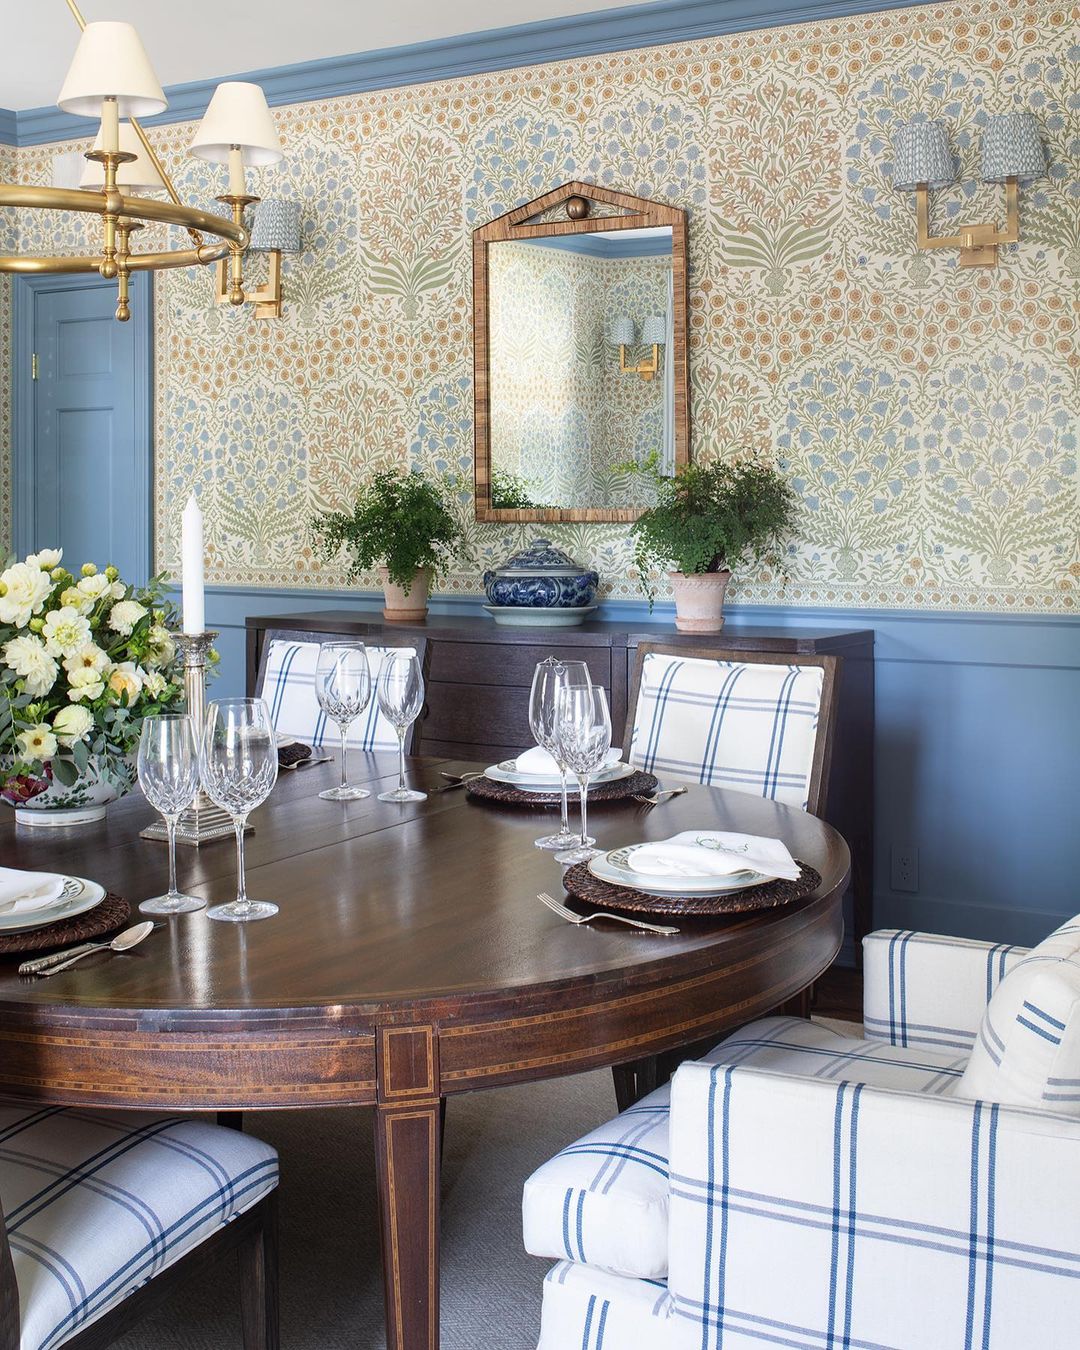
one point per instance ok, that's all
(90, 450)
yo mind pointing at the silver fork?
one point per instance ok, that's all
(560, 909)
(660, 795)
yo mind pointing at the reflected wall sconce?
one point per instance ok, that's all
(623, 333)
(1012, 154)
(276, 230)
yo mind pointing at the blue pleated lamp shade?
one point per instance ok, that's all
(621, 331)
(1011, 148)
(922, 154)
(277, 225)
(654, 330)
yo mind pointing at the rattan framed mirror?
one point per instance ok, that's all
(579, 355)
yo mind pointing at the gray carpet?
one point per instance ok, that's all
(331, 1281)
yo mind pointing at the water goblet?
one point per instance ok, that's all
(238, 766)
(549, 677)
(583, 732)
(169, 778)
(400, 691)
(343, 688)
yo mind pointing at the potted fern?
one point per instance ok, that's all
(708, 519)
(402, 523)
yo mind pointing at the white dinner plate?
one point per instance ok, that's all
(506, 773)
(78, 896)
(614, 868)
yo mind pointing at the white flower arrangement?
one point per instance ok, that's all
(83, 660)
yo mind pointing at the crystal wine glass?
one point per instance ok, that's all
(400, 691)
(238, 766)
(583, 733)
(169, 778)
(343, 688)
(549, 677)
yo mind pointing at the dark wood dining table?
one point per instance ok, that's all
(410, 960)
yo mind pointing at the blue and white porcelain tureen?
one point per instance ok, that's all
(544, 581)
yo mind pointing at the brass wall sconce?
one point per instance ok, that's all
(276, 230)
(1012, 154)
(623, 334)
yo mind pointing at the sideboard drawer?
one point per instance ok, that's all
(495, 663)
(472, 715)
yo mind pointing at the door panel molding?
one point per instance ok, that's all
(25, 290)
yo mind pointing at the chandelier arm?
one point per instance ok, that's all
(136, 208)
(135, 262)
(230, 234)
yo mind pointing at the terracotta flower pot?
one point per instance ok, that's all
(406, 606)
(699, 601)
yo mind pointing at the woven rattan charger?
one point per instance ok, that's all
(619, 790)
(582, 885)
(112, 913)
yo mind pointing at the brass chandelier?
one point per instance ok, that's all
(111, 78)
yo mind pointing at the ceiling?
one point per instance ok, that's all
(208, 39)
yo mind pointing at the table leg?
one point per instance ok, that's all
(407, 1120)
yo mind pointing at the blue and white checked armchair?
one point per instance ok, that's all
(97, 1204)
(735, 720)
(807, 1189)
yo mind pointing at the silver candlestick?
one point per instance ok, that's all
(202, 821)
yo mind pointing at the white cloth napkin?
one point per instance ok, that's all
(24, 892)
(539, 763)
(713, 853)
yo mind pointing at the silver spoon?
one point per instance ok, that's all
(123, 942)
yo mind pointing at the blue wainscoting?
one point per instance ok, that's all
(977, 750)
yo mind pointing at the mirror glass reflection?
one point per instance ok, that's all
(579, 365)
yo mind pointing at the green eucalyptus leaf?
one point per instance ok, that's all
(65, 772)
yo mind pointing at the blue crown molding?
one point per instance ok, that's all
(9, 128)
(529, 44)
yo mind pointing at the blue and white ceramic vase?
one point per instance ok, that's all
(540, 585)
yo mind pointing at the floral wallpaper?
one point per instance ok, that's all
(927, 413)
(563, 415)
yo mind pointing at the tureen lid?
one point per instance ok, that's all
(541, 558)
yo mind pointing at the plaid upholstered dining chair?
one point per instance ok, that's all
(741, 720)
(286, 680)
(106, 1213)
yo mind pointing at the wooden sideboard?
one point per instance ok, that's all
(480, 674)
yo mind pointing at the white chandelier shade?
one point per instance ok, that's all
(139, 175)
(110, 62)
(238, 115)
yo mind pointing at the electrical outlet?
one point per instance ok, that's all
(905, 867)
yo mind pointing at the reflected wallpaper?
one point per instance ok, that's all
(563, 415)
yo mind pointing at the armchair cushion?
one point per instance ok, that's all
(589, 1308)
(921, 989)
(603, 1201)
(97, 1203)
(1028, 1050)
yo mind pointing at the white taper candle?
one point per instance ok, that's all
(237, 182)
(191, 568)
(110, 125)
